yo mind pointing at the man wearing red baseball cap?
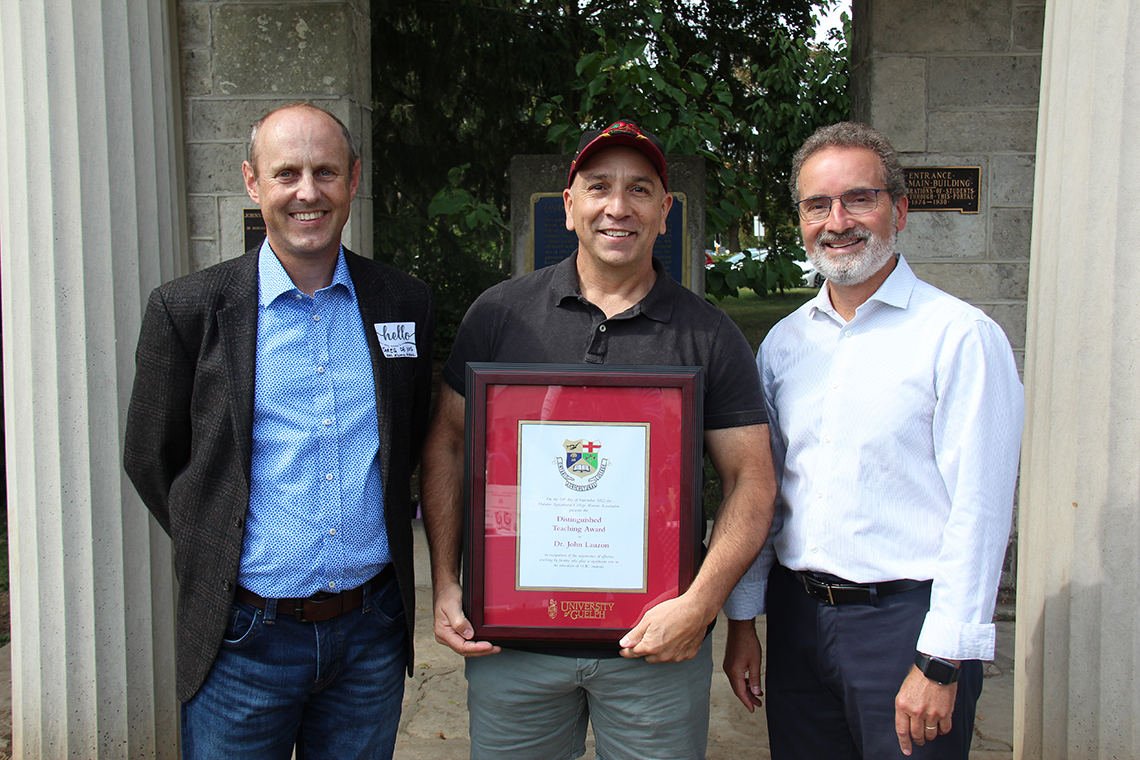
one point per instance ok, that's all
(608, 303)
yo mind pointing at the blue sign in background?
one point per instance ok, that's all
(553, 242)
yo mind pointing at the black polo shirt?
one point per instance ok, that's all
(542, 317)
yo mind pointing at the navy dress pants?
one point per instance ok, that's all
(834, 671)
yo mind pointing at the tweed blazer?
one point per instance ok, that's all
(190, 431)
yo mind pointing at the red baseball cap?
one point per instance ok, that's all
(623, 132)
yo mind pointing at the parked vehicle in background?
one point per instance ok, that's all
(763, 270)
(736, 260)
(812, 276)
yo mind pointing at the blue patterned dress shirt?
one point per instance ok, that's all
(316, 513)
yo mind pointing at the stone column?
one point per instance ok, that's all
(1078, 602)
(91, 220)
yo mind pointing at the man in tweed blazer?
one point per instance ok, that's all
(280, 472)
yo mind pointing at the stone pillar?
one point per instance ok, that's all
(90, 210)
(243, 58)
(1078, 602)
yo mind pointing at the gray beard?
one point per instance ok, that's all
(852, 270)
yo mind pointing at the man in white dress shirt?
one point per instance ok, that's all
(896, 414)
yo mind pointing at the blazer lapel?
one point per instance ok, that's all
(237, 327)
(371, 297)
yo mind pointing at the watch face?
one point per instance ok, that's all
(938, 670)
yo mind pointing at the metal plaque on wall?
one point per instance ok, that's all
(253, 227)
(944, 188)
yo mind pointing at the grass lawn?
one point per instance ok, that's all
(755, 316)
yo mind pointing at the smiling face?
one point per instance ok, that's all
(617, 206)
(303, 182)
(846, 249)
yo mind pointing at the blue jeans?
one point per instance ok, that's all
(333, 689)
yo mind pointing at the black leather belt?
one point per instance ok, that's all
(829, 589)
(320, 606)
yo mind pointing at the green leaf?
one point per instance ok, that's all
(585, 61)
(446, 204)
(557, 132)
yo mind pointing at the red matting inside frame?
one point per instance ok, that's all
(500, 611)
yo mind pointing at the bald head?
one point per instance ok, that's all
(252, 149)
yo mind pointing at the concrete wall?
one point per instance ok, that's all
(958, 84)
(241, 59)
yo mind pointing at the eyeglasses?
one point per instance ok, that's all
(857, 203)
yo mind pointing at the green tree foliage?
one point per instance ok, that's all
(454, 83)
(460, 86)
(747, 124)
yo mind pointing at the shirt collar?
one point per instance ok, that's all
(657, 303)
(895, 291)
(274, 281)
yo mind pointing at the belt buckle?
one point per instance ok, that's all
(299, 610)
(815, 588)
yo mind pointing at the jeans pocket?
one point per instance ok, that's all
(385, 604)
(243, 626)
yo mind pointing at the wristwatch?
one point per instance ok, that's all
(942, 672)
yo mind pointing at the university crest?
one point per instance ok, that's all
(581, 458)
(582, 466)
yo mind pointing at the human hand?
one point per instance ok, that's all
(742, 658)
(452, 628)
(923, 710)
(671, 631)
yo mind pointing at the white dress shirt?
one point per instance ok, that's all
(896, 439)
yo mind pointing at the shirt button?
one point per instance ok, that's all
(316, 317)
(329, 476)
(818, 494)
(332, 531)
(814, 549)
(320, 370)
(332, 584)
(298, 297)
(601, 328)
(326, 421)
(848, 333)
(827, 439)
(225, 585)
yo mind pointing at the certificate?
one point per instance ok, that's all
(582, 488)
(582, 505)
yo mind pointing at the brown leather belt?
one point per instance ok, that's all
(833, 590)
(320, 606)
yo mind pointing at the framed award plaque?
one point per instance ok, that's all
(582, 487)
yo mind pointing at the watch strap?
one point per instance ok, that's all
(942, 672)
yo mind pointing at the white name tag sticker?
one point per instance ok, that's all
(397, 339)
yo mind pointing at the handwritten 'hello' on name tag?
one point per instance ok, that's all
(397, 339)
